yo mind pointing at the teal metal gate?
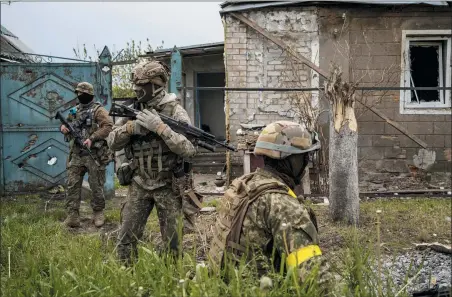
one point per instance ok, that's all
(30, 141)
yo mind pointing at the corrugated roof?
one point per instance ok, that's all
(197, 49)
(236, 5)
(12, 46)
(6, 31)
(18, 44)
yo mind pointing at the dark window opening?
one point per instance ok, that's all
(425, 63)
(210, 115)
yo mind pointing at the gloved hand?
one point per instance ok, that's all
(133, 128)
(150, 120)
(139, 129)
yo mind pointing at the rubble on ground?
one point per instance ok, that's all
(247, 136)
(394, 182)
(427, 268)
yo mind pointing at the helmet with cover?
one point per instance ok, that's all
(85, 87)
(281, 139)
(149, 78)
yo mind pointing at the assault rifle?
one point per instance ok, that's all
(203, 139)
(77, 137)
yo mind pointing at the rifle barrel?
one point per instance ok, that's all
(204, 139)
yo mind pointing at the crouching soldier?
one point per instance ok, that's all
(94, 124)
(154, 155)
(260, 214)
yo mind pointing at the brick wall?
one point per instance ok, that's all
(375, 51)
(365, 42)
(253, 61)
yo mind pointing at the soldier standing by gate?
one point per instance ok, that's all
(154, 157)
(91, 119)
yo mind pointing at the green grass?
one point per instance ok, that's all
(211, 203)
(48, 260)
(403, 222)
(117, 185)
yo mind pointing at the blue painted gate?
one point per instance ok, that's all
(30, 96)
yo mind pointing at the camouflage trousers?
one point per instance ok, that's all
(135, 212)
(78, 166)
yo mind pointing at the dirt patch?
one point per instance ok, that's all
(87, 226)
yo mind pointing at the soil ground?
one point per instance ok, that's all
(403, 221)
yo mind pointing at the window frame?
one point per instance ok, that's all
(436, 37)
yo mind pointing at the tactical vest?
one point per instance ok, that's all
(84, 121)
(237, 198)
(151, 156)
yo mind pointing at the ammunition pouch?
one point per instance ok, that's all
(99, 144)
(180, 171)
(125, 173)
(83, 153)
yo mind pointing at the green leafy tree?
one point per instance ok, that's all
(124, 60)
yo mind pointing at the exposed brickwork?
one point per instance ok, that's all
(373, 37)
(253, 61)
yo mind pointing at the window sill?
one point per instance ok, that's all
(419, 110)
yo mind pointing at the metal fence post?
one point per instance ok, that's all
(176, 71)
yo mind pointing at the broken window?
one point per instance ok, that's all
(426, 70)
(426, 63)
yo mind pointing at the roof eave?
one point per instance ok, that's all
(191, 50)
(231, 6)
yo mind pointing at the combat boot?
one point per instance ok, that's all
(99, 218)
(72, 220)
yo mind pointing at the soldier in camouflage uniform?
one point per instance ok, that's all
(94, 123)
(260, 213)
(152, 160)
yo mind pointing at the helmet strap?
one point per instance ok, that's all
(155, 91)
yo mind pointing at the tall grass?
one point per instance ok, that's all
(48, 260)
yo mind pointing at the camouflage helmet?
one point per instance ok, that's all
(150, 72)
(281, 139)
(85, 87)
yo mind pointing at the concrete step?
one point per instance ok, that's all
(213, 168)
(207, 157)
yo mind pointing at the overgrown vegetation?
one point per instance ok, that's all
(46, 259)
(402, 224)
(128, 56)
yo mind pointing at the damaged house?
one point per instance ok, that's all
(384, 46)
(272, 49)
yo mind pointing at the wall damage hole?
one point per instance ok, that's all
(52, 161)
(19, 125)
(7, 157)
(21, 165)
(33, 138)
(426, 62)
